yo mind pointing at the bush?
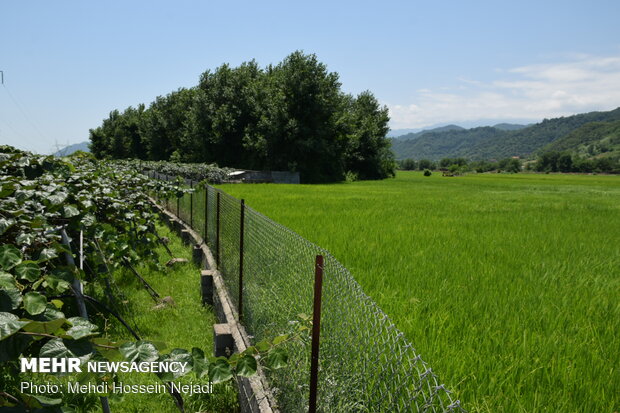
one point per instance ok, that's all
(427, 172)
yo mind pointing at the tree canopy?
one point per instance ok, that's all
(290, 116)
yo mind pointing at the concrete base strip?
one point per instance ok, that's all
(254, 392)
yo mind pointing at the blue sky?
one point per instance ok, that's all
(67, 64)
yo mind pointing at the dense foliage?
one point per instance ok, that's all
(596, 139)
(567, 162)
(488, 143)
(291, 116)
(46, 206)
(461, 165)
(194, 171)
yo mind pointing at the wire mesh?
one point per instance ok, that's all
(366, 364)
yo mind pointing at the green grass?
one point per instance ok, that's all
(188, 324)
(508, 285)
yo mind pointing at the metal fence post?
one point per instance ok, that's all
(206, 234)
(316, 332)
(217, 232)
(191, 205)
(241, 231)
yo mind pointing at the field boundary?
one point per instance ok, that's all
(254, 393)
(366, 364)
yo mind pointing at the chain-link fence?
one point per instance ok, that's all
(366, 365)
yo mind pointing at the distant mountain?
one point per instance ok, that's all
(495, 142)
(68, 150)
(442, 144)
(594, 139)
(393, 133)
(413, 135)
(509, 126)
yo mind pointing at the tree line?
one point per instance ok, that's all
(551, 161)
(290, 116)
(461, 165)
(567, 162)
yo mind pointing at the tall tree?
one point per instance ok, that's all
(368, 150)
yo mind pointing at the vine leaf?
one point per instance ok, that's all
(9, 257)
(246, 366)
(176, 355)
(45, 327)
(70, 211)
(277, 358)
(34, 303)
(200, 362)
(139, 351)
(9, 325)
(219, 371)
(60, 348)
(7, 281)
(81, 328)
(10, 299)
(6, 224)
(28, 270)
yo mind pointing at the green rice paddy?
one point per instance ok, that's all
(508, 285)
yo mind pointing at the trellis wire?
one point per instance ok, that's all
(366, 364)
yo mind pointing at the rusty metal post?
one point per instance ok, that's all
(217, 232)
(241, 231)
(191, 205)
(316, 332)
(206, 236)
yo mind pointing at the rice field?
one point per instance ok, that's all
(508, 285)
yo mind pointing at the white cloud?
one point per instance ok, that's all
(582, 84)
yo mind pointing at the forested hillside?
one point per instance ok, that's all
(291, 116)
(494, 143)
(592, 139)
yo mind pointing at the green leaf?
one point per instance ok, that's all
(51, 313)
(24, 238)
(62, 348)
(57, 284)
(57, 303)
(28, 270)
(247, 366)
(7, 281)
(111, 354)
(88, 220)
(220, 371)
(6, 224)
(200, 362)
(10, 299)
(70, 211)
(55, 348)
(34, 303)
(9, 256)
(263, 345)
(46, 401)
(81, 328)
(139, 351)
(304, 317)
(45, 327)
(280, 339)
(47, 254)
(57, 198)
(176, 355)
(277, 358)
(9, 325)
